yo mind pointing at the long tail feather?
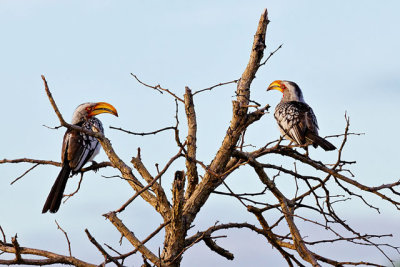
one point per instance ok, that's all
(317, 140)
(53, 201)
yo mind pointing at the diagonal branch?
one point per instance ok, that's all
(175, 232)
(25, 173)
(375, 190)
(130, 200)
(162, 205)
(191, 167)
(34, 161)
(115, 160)
(270, 55)
(158, 88)
(143, 134)
(287, 211)
(107, 256)
(66, 237)
(214, 247)
(212, 87)
(112, 217)
(236, 128)
(51, 258)
(144, 241)
(53, 103)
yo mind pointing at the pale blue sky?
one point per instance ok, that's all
(345, 55)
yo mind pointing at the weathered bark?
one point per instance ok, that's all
(50, 257)
(112, 217)
(237, 126)
(287, 211)
(175, 232)
(162, 205)
(191, 166)
(180, 214)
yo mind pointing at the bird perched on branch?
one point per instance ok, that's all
(296, 119)
(78, 148)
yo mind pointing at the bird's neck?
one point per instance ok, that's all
(290, 97)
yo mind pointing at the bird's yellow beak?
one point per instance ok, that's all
(103, 107)
(276, 85)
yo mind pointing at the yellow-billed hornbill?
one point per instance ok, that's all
(296, 119)
(78, 148)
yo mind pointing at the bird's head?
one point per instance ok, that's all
(290, 90)
(87, 110)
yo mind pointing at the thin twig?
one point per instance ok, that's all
(143, 134)
(129, 235)
(212, 87)
(66, 236)
(19, 177)
(17, 248)
(158, 88)
(150, 236)
(270, 55)
(76, 191)
(52, 128)
(27, 160)
(53, 103)
(101, 249)
(2, 232)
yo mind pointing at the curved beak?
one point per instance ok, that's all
(103, 107)
(276, 85)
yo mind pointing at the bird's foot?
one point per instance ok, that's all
(94, 166)
(306, 154)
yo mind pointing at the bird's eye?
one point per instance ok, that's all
(283, 86)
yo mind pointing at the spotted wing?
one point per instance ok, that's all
(294, 120)
(78, 147)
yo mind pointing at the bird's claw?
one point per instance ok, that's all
(94, 166)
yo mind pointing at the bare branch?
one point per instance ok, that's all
(236, 128)
(101, 249)
(17, 249)
(159, 175)
(143, 134)
(53, 103)
(175, 232)
(4, 235)
(158, 88)
(52, 128)
(96, 166)
(66, 236)
(34, 161)
(150, 236)
(287, 210)
(51, 258)
(375, 190)
(115, 160)
(270, 55)
(212, 87)
(77, 189)
(214, 247)
(162, 204)
(22, 175)
(38, 162)
(192, 175)
(112, 217)
(305, 193)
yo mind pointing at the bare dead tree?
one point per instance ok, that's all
(189, 193)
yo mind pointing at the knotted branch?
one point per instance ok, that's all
(50, 257)
(236, 128)
(112, 217)
(115, 160)
(175, 232)
(191, 167)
